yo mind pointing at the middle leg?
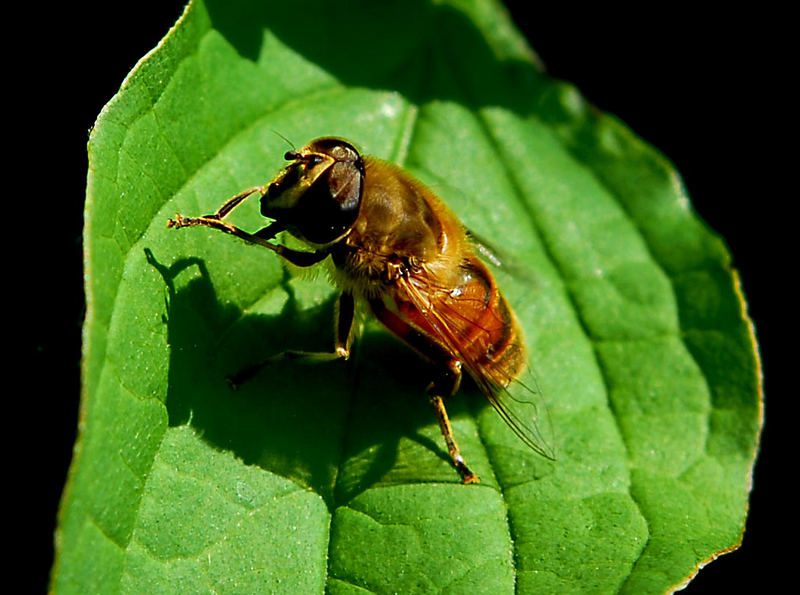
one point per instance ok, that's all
(345, 315)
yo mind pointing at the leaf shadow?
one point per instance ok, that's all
(333, 427)
(441, 56)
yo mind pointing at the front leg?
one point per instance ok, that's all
(261, 237)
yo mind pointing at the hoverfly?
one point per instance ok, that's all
(396, 246)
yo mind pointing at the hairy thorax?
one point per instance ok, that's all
(402, 228)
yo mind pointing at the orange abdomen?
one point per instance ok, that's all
(475, 324)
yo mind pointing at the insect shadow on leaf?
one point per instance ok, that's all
(332, 426)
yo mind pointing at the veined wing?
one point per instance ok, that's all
(473, 321)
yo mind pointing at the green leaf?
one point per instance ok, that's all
(335, 477)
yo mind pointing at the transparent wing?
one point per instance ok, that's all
(521, 405)
(499, 259)
(514, 394)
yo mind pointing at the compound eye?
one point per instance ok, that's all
(291, 155)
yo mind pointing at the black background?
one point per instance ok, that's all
(705, 89)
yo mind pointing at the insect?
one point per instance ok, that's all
(396, 246)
